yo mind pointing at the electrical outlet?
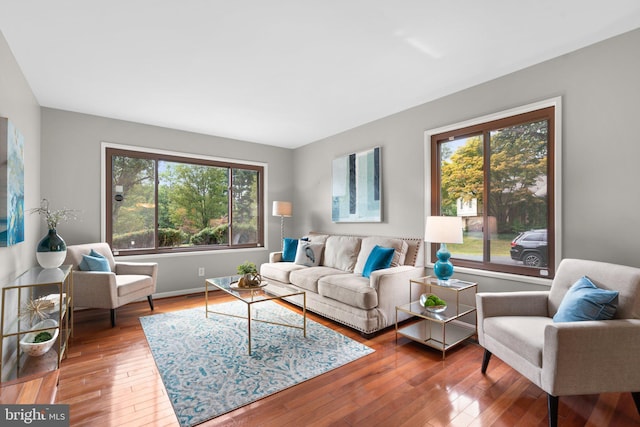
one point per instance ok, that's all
(200, 271)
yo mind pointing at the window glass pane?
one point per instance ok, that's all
(461, 190)
(133, 205)
(245, 206)
(192, 204)
(518, 194)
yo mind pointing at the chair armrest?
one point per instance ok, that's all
(275, 256)
(525, 303)
(96, 289)
(591, 357)
(145, 268)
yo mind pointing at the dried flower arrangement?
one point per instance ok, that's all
(53, 217)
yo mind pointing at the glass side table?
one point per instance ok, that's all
(445, 329)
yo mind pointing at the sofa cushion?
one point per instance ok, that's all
(379, 258)
(585, 301)
(526, 333)
(367, 245)
(350, 289)
(341, 252)
(308, 254)
(307, 278)
(279, 271)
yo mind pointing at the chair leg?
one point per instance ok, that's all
(150, 299)
(552, 407)
(485, 361)
(636, 399)
(113, 317)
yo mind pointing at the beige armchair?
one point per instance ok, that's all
(568, 358)
(127, 281)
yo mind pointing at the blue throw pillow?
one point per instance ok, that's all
(289, 251)
(84, 266)
(94, 262)
(585, 301)
(379, 258)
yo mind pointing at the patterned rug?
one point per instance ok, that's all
(207, 371)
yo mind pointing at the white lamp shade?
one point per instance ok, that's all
(282, 208)
(443, 229)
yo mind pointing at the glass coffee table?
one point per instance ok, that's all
(250, 296)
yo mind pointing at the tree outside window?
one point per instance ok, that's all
(498, 176)
(161, 203)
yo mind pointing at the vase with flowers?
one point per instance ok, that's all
(52, 250)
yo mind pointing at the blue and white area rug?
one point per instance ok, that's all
(205, 366)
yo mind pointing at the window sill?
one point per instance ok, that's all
(503, 276)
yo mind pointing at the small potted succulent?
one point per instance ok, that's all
(250, 277)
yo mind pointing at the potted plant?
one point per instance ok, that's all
(250, 277)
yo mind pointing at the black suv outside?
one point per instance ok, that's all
(530, 247)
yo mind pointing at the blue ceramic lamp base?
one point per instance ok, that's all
(443, 268)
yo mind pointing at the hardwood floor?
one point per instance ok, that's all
(110, 379)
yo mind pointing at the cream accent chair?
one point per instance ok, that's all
(569, 358)
(127, 281)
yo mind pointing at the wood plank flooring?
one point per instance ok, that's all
(110, 379)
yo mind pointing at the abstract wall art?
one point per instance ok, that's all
(356, 191)
(11, 184)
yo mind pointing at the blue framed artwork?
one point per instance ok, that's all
(356, 191)
(11, 184)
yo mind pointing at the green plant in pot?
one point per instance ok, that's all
(250, 277)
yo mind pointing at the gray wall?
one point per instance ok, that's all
(19, 105)
(600, 89)
(71, 150)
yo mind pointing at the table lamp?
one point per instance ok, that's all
(282, 209)
(443, 230)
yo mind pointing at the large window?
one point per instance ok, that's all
(499, 176)
(165, 203)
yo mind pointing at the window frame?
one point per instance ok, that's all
(110, 149)
(511, 116)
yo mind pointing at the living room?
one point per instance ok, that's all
(598, 86)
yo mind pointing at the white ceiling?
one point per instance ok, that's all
(285, 72)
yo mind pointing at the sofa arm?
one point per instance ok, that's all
(275, 256)
(393, 287)
(96, 289)
(524, 303)
(591, 357)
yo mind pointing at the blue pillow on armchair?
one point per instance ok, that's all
(94, 262)
(585, 301)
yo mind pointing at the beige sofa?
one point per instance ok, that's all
(336, 288)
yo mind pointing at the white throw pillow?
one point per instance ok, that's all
(341, 252)
(308, 253)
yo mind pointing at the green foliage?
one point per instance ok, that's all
(211, 235)
(518, 167)
(42, 337)
(170, 237)
(143, 239)
(247, 267)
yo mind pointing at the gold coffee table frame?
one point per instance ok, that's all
(252, 296)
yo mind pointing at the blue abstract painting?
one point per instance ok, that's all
(356, 187)
(11, 184)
